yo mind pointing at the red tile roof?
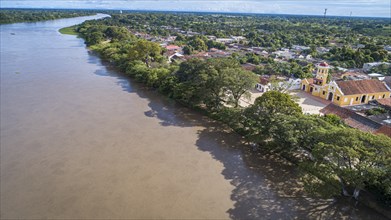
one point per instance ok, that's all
(324, 64)
(353, 87)
(386, 130)
(351, 118)
(336, 110)
(172, 47)
(385, 102)
(263, 81)
(310, 80)
(359, 125)
(249, 66)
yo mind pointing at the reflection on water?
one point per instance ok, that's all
(78, 141)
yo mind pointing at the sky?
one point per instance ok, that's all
(365, 8)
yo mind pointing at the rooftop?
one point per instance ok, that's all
(386, 130)
(324, 64)
(351, 118)
(353, 87)
(385, 102)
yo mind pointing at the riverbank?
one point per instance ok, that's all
(68, 30)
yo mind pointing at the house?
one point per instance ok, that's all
(355, 120)
(369, 66)
(299, 48)
(308, 57)
(385, 103)
(350, 76)
(225, 40)
(173, 48)
(219, 53)
(211, 37)
(249, 66)
(174, 56)
(264, 52)
(284, 53)
(322, 50)
(355, 92)
(238, 38)
(267, 83)
(200, 55)
(378, 76)
(293, 84)
(264, 84)
(344, 93)
(386, 130)
(387, 81)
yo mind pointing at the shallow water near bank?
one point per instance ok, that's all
(79, 141)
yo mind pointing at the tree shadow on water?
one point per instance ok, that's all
(107, 70)
(267, 186)
(171, 113)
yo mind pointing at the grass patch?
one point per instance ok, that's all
(68, 30)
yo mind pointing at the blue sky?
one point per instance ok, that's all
(373, 8)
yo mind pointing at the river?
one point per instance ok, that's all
(79, 141)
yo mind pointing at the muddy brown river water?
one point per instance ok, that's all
(78, 141)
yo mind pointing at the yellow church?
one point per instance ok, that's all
(344, 93)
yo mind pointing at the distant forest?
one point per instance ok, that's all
(8, 16)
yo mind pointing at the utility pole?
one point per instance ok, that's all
(325, 12)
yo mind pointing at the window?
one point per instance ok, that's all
(332, 87)
(338, 98)
(373, 97)
(356, 99)
(384, 96)
(324, 93)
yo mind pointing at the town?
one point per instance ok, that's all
(360, 96)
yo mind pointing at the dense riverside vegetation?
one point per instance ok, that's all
(31, 15)
(335, 159)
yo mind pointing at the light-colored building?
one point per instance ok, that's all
(279, 83)
(344, 93)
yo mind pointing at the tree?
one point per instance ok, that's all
(259, 118)
(198, 44)
(118, 33)
(350, 160)
(188, 50)
(239, 82)
(145, 51)
(192, 77)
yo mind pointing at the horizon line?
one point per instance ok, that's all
(183, 11)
